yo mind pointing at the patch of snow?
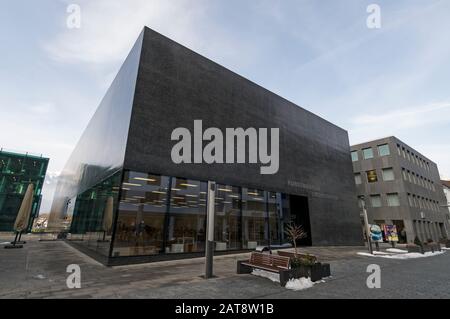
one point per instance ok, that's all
(299, 284)
(39, 277)
(365, 254)
(380, 253)
(396, 250)
(404, 256)
(266, 274)
(5, 243)
(445, 248)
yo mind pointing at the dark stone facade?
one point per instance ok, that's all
(176, 86)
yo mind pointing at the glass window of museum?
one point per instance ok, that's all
(17, 171)
(155, 215)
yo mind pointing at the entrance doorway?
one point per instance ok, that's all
(299, 214)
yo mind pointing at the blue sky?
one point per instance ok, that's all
(318, 54)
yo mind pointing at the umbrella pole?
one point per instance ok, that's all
(104, 235)
(15, 239)
(19, 240)
(13, 244)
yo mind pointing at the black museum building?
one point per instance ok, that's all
(127, 201)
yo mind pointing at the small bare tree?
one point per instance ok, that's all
(295, 233)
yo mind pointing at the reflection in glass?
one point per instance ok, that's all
(93, 215)
(228, 218)
(255, 229)
(142, 210)
(187, 218)
(274, 218)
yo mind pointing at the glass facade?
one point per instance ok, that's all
(163, 215)
(92, 217)
(228, 226)
(17, 171)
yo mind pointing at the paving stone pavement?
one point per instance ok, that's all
(39, 271)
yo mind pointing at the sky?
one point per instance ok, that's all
(373, 82)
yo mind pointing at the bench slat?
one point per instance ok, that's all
(268, 262)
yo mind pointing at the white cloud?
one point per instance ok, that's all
(42, 108)
(412, 122)
(110, 27)
(405, 118)
(439, 153)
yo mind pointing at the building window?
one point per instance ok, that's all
(383, 150)
(405, 176)
(399, 150)
(375, 200)
(228, 217)
(372, 176)
(361, 201)
(393, 200)
(388, 174)
(368, 153)
(410, 200)
(354, 156)
(254, 218)
(275, 228)
(142, 212)
(358, 180)
(409, 176)
(404, 152)
(187, 216)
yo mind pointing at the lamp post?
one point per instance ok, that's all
(209, 249)
(366, 224)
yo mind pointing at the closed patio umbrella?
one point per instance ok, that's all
(108, 216)
(23, 217)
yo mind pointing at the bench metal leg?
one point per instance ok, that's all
(285, 275)
(243, 269)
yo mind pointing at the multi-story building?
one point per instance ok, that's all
(123, 165)
(400, 187)
(16, 172)
(446, 186)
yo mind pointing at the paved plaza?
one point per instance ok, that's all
(39, 271)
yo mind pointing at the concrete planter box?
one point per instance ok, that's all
(425, 248)
(316, 272)
(445, 243)
(313, 271)
(433, 247)
(416, 249)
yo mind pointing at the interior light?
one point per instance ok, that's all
(131, 184)
(145, 179)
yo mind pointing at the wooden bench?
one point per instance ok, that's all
(267, 262)
(292, 255)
